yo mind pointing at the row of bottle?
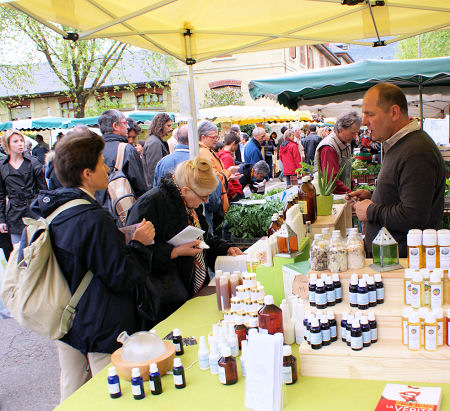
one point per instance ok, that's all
(422, 288)
(336, 254)
(428, 249)
(319, 329)
(426, 329)
(137, 382)
(325, 291)
(366, 292)
(359, 331)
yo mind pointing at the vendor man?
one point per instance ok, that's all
(410, 188)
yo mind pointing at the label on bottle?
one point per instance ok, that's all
(178, 379)
(407, 292)
(326, 335)
(405, 331)
(222, 377)
(203, 362)
(374, 334)
(440, 332)
(415, 295)
(362, 298)
(114, 388)
(430, 337)
(348, 334)
(316, 338)
(380, 293)
(356, 342)
(303, 207)
(152, 385)
(426, 292)
(338, 293)
(331, 296)
(307, 334)
(214, 366)
(177, 346)
(436, 295)
(136, 389)
(333, 331)
(287, 375)
(414, 337)
(430, 258)
(321, 298)
(444, 257)
(353, 298)
(312, 297)
(414, 257)
(372, 296)
(367, 339)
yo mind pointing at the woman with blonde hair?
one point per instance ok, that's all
(180, 272)
(21, 178)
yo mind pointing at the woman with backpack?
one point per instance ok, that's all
(21, 178)
(85, 238)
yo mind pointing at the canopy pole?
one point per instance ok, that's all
(421, 104)
(193, 137)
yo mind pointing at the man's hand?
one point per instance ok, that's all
(145, 232)
(234, 251)
(3, 228)
(233, 169)
(358, 195)
(361, 209)
(189, 249)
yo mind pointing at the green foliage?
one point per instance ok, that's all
(327, 186)
(432, 44)
(274, 191)
(223, 97)
(251, 221)
(305, 169)
(364, 187)
(362, 168)
(447, 186)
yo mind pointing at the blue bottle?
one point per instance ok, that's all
(363, 295)
(353, 291)
(113, 383)
(337, 288)
(154, 378)
(321, 295)
(137, 384)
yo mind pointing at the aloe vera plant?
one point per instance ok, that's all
(327, 186)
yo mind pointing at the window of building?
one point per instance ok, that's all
(322, 61)
(20, 112)
(149, 100)
(302, 53)
(310, 57)
(67, 109)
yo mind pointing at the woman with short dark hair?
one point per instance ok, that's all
(85, 238)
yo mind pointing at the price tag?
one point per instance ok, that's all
(300, 286)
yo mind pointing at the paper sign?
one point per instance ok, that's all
(186, 235)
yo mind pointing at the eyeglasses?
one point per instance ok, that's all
(203, 198)
(216, 137)
(125, 122)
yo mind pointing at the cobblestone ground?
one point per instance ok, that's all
(29, 370)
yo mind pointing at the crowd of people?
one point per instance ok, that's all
(138, 284)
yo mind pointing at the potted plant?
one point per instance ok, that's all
(326, 187)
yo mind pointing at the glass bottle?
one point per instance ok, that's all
(307, 200)
(337, 254)
(274, 226)
(355, 252)
(319, 253)
(288, 205)
(280, 218)
(270, 317)
(289, 366)
(227, 367)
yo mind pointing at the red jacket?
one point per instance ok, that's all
(329, 157)
(234, 187)
(290, 157)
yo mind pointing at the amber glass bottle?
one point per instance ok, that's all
(307, 198)
(270, 318)
(227, 367)
(274, 225)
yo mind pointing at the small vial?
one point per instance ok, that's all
(379, 288)
(365, 330)
(325, 327)
(316, 334)
(333, 326)
(405, 316)
(227, 367)
(353, 290)
(179, 378)
(289, 373)
(154, 378)
(137, 384)
(312, 292)
(348, 338)
(321, 295)
(363, 295)
(373, 327)
(426, 286)
(203, 354)
(407, 285)
(114, 383)
(443, 237)
(344, 326)
(178, 342)
(337, 288)
(447, 327)
(357, 339)
(417, 291)
(241, 331)
(371, 287)
(331, 293)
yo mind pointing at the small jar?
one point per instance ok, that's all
(355, 252)
(319, 253)
(337, 254)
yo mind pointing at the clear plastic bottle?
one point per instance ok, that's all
(356, 257)
(337, 254)
(307, 200)
(430, 249)
(319, 253)
(444, 248)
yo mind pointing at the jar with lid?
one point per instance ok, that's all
(319, 253)
(307, 200)
(337, 254)
(326, 234)
(355, 251)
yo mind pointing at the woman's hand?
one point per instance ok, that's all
(233, 251)
(188, 250)
(145, 232)
(3, 228)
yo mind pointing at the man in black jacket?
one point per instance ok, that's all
(114, 128)
(310, 144)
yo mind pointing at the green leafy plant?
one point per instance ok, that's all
(364, 187)
(447, 187)
(274, 191)
(327, 185)
(251, 221)
(305, 169)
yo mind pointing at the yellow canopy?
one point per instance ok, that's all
(217, 27)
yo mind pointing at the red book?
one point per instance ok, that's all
(397, 397)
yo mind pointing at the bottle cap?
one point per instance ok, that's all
(330, 315)
(409, 272)
(202, 343)
(440, 271)
(370, 280)
(438, 312)
(177, 362)
(355, 323)
(153, 367)
(423, 312)
(335, 276)
(429, 238)
(287, 350)
(176, 332)
(350, 318)
(425, 272)
(323, 319)
(414, 238)
(252, 331)
(112, 371)
(319, 282)
(430, 318)
(361, 282)
(268, 299)
(417, 277)
(304, 179)
(443, 237)
(314, 322)
(329, 281)
(364, 320)
(323, 276)
(371, 316)
(336, 232)
(239, 321)
(377, 278)
(253, 322)
(354, 279)
(435, 277)
(313, 275)
(413, 317)
(225, 351)
(317, 236)
(135, 372)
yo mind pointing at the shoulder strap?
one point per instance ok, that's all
(119, 157)
(66, 206)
